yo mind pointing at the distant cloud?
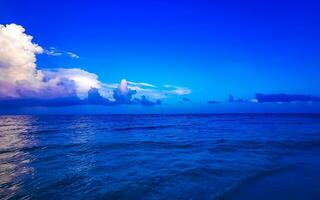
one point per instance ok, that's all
(123, 95)
(155, 92)
(22, 84)
(141, 84)
(95, 98)
(145, 102)
(286, 98)
(232, 100)
(32, 102)
(52, 51)
(212, 102)
(177, 90)
(72, 55)
(185, 99)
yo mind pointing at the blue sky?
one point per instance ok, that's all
(212, 48)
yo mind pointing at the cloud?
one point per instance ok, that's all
(22, 84)
(17, 57)
(141, 84)
(177, 90)
(145, 102)
(212, 102)
(52, 51)
(155, 92)
(123, 94)
(232, 100)
(286, 98)
(95, 98)
(83, 80)
(185, 99)
(32, 102)
(72, 55)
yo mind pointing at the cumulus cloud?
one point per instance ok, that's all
(94, 97)
(83, 80)
(19, 77)
(123, 94)
(144, 101)
(286, 98)
(17, 59)
(21, 83)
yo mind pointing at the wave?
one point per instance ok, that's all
(158, 182)
(36, 148)
(146, 145)
(233, 191)
(89, 148)
(144, 127)
(231, 146)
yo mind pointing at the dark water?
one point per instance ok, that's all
(160, 157)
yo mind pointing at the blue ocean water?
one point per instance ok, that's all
(242, 156)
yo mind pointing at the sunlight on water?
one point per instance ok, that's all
(15, 136)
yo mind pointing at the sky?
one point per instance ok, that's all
(159, 56)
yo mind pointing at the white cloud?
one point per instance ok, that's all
(141, 84)
(72, 55)
(18, 57)
(17, 54)
(52, 51)
(181, 91)
(18, 73)
(83, 80)
(177, 90)
(154, 92)
(19, 77)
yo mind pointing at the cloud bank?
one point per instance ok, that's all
(212, 102)
(22, 84)
(286, 98)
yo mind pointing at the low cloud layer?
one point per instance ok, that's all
(212, 102)
(22, 84)
(286, 98)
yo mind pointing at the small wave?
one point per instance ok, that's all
(146, 145)
(90, 148)
(150, 185)
(233, 191)
(231, 146)
(144, 128)
(36, 148)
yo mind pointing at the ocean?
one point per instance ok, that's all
(222, 156)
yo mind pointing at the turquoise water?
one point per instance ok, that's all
(160, 157)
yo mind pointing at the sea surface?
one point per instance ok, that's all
(233, 156)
